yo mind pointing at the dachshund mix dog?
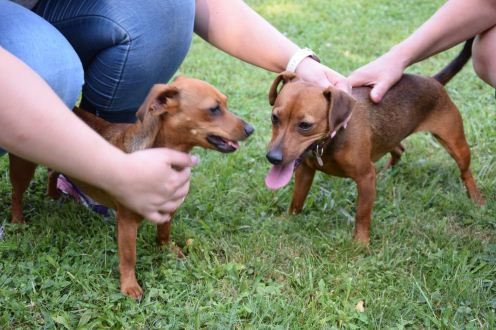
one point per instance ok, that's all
(315, 129)
(180, 116)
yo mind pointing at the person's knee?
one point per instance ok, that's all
(160, 31)
(154, 39)
(483, 56)
(46, 52)
(481, 64)
(67, 79)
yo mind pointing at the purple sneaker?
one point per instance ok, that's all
(68, 188)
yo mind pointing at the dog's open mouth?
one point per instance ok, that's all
(280, 175)
(222, 144)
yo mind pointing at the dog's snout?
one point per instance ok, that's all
(249, 129)
(275, 156)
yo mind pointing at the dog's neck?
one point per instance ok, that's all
(167, 139)
(143, 134)
(140, 135)
(149, 134)
(319, 146)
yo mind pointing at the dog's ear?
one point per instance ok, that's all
(179, 78)
(340, 107)
(160, 99)
(285, 77)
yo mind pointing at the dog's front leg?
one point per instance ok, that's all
(366, 196)
(21, 173)
(163, 237)
(127, 230)
(303, 181)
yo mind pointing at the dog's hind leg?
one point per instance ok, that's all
(303, 181)
(52, 190)
(21, 173)
(395, 156)
(459, 150)
(447, 128)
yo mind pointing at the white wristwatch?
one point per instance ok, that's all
(300, 56)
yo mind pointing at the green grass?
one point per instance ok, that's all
(431, 263)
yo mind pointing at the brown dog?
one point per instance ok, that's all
(307, 134)
(180, 116)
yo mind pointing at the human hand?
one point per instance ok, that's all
(381, 74)
(147, 183)
(319, 74)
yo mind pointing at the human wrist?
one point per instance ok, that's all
(300, 56)
(401, 55)
(306, 65)
(113, 170)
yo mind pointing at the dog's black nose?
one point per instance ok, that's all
(249, 129)
(275, 156)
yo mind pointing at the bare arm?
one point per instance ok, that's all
(36, 125)
(454, 22)
(235, 28)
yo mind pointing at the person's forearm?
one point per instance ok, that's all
(235, 28)
(454, 22)
(36, 125)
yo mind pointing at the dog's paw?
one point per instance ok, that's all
(132, 290)
(18, 219)
(173, 248)
(479, 200)
(362, 238)
(295, 209)
(177, 251)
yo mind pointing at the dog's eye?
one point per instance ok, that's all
(275, 119)
(304, 125)
(215, 110)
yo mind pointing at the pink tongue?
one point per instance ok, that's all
(279, 175)
(233, 144)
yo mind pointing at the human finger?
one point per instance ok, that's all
(172, 205)
(379, 90)
(344, 85)
(179, 159)
(159, 217)
(181, 178)
(180, 192)
(357, 79)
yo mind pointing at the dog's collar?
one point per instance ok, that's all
(320, 145)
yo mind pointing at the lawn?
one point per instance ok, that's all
(431, 263)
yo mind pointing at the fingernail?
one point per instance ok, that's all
(195, 159)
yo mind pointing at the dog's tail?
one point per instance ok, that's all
(456, 65)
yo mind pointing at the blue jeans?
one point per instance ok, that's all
(114, 50)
